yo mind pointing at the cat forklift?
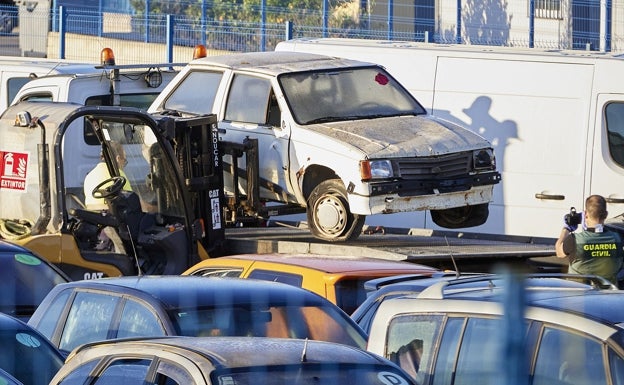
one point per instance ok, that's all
(162, 205)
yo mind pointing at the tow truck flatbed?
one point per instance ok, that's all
(469, 251)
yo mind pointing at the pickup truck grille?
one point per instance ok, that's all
(440, 167)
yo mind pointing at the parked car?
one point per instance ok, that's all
(379, 289)
(78, 312)
(7, 379)
(226, 361)
(25, 280)
(25, 354)
(452, 333)
(340, 279)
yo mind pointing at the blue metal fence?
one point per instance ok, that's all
(468, 21)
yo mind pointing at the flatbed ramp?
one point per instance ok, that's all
(448, 249)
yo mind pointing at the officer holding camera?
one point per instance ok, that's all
(594, 250)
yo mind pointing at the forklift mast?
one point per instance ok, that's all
(195, 142)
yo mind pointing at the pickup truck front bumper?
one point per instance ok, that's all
(416, 195)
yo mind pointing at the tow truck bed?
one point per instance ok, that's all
(469, 251)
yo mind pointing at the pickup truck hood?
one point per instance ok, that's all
(402, 136)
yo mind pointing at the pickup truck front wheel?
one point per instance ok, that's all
(458, 217)
(329, 216)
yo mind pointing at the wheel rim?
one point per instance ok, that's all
(331, 215)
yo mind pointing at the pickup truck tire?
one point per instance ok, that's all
(458, 217)
(329, 216)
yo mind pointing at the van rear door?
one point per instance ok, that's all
(607, 152)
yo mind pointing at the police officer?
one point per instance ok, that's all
(594, 250)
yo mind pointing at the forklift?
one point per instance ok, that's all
(162, 207)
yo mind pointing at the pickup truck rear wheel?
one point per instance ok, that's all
(329, 216)
(458, 217)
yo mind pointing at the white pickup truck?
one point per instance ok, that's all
(337, 138)
(104, 84)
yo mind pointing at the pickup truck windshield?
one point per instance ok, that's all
(346, 94)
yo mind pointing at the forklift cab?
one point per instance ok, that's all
(158, 201)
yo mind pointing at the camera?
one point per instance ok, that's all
(573, 218)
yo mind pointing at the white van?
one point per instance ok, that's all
(555, 119)
(17, 71)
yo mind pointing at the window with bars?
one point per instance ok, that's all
(548, 9)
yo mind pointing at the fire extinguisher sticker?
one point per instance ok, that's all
(13, 170)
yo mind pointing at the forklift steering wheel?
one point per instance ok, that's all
(109, 188)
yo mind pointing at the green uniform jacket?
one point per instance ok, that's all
(597, 253)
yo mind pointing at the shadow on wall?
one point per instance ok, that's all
(498, 133)
(484, 22)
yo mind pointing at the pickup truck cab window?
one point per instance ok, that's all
(349, 94)
(248, 100)
(186, 97)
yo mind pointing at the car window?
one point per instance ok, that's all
(616, 362)
(411, 341)
(327, 323)
(277, 276)
(124, 371)
(248, 100)
(479, 351)
(445, 362)
(168, 373)
(184, 97)
(614, 115)
(564, 358)
(138, 320)
(350, 293)
(51, 317)
(78, 375)
(141, 101)
(14, 85)
(219, 272)
(27, 280)
(26, 356)
(345, 94)
(89, 319)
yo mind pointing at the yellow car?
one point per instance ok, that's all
(339, 279)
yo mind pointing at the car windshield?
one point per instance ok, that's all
(346, 94)
(26, 281)
(282, 321)
(27, 357)
(312, 374)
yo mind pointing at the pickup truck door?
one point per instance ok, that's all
(607, 152)
(252, 111)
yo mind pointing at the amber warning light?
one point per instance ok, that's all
(107, 57)
(200, 51)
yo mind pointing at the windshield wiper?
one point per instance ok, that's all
(326, 119)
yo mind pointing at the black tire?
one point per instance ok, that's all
(459, 217)
(329, 216)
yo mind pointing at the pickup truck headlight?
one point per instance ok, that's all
(484, 159)
(376, 169)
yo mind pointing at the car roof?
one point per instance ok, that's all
(276, 62)
(561, 294)
(233, 352)
(177, 290)
(326, 263)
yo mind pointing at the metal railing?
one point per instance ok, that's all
(594, 28)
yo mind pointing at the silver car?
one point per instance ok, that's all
(226, 361)
(457, 332)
